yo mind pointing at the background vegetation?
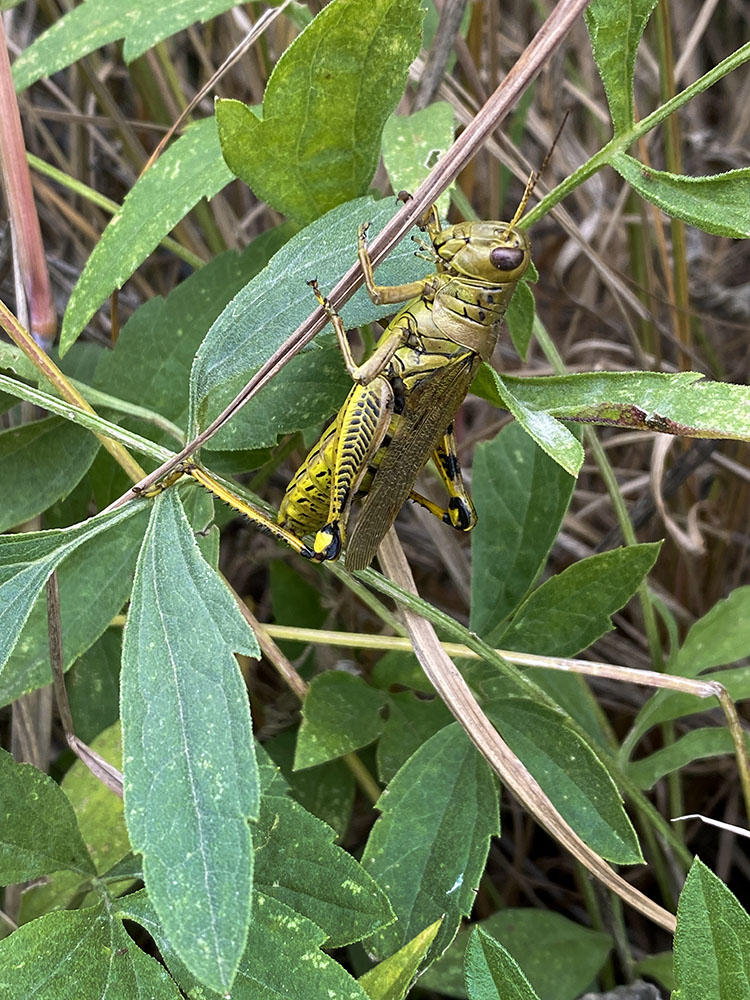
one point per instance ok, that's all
(175, 277)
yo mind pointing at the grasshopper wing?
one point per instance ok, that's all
(428, 411)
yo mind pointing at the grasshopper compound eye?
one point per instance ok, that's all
(506, 258)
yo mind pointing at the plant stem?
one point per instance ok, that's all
(24, 221)
(622, 142)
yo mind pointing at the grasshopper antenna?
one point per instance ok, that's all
(535, 175)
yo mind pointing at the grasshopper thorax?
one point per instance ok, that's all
(493, 253)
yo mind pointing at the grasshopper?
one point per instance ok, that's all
(401, 408)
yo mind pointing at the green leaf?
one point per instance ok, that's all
(94, 423)
(146, 367)
(616, 27)
(712, 940)
(341, 713)
(326, 791)
(559, 958)
(571, 692)
(403, 669)
(73, 508)
(552, 437)
(126, 869)
(720, 637)
(411, 721)
(304, 394)
(26, 561)
(41, 464)
(100, 813)
(97, 22)
(571, 774)
(659, 967)
(428, 848)
(93, 686)
(324, 108)
(13, 360)
(191, 781)
(282, 958)
(519, 318)
(491, 973)
(295, 601)
(38, 829)
(271, 780)
(100, 819)
(718, 204)
(190, 169)
(573, 609)
(522, 496)
(667, 705)
(199, 506)
(682, 403)
(94, 581)
(79, 955)
(270, 307)
(391, 979)
(699, 744)
(412, 144)
(81, 361)
(298, 864)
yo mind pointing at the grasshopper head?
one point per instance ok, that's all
(493, 253)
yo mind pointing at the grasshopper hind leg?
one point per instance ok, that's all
(460, 512)
(361, 427)
(319, 497)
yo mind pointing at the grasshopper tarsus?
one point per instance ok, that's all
(149, 492)
(324, 301)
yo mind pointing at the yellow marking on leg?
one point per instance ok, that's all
(256, 518)
(460, 512)
(161, 484)
(361, 426)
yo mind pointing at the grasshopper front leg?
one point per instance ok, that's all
(385, 294)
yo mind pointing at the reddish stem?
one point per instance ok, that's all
(27, 237)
